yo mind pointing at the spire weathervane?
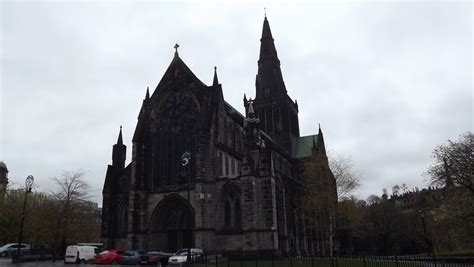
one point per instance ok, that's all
(265, 12)
(176, 46)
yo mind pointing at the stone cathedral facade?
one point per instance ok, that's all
(246, 174)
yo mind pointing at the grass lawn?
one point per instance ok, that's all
(308, 263)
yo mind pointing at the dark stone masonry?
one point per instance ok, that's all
(246, 172)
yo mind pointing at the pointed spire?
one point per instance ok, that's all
(147, 96)
(120, 140)
(269, 79)
(215, 81)
(320, 143)
(267, 45)
(320, 134)
(119, 152)
(245, 98)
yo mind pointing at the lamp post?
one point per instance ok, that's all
(185, 162)
(28, 186)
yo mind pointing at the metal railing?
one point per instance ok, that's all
(219, 259)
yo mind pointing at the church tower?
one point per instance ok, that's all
(278, 114)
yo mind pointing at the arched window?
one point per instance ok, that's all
(232, 211)
(173, 124)
(121, 219)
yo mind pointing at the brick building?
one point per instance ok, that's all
(246, 172)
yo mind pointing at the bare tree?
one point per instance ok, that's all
(454, 163)
(347, 178)
(71, 192)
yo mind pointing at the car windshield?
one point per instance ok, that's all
(104, 252)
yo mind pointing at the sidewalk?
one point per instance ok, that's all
(7, 262)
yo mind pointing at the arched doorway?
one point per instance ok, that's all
(169, 225)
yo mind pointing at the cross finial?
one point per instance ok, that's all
(265, 11)
(176, 46)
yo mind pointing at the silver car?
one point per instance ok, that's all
(181, 256)
(12, 249)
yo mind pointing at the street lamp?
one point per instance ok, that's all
(185, 162)
(28, 186)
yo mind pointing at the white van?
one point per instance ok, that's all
(80, 254)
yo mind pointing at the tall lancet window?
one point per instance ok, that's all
(232, 211)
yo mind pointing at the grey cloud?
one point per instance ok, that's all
(387, 81)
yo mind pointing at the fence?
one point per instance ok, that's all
(34, 255)
(216, 259)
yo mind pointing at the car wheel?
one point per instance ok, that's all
(114, 262)
(4, 254)
(83, 261)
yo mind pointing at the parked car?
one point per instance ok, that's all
(131, 257)
(153, 257)
(12, 248)
(181, 256)
(112, 256)
(80, 254)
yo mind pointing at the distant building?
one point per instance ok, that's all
(417, 199)
(88, 212)
(85, 222)
(246, 172)
(3, 179)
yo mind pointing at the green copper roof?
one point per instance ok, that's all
(302, 146)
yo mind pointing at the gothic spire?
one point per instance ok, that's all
(267, 44)
(147, 96)
(269, 81)
(119, 152)
(216, 81)
(120, 140)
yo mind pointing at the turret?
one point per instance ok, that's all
(119, 152)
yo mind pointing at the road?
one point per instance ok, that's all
(7, 262)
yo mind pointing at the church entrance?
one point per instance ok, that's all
(169, 225)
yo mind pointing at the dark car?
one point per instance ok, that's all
(131, 257)
(153, 257)
(112, 256)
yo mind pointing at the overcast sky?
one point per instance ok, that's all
(387, 81)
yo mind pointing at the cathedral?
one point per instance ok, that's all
(204, 175)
